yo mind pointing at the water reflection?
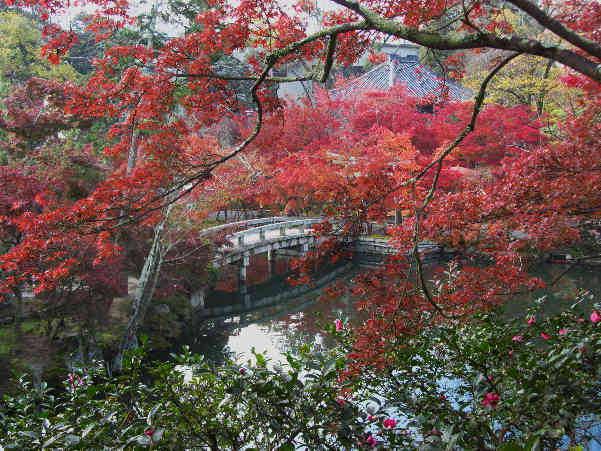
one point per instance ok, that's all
(278, 319)
(269, 316)
(272, 317)
(563, 285)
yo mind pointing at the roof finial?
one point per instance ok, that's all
(391, 71)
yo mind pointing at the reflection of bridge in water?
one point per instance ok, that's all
(266, 301)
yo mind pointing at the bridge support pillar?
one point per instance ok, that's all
(305, 248)
(271, 261)
(398, 218)
(244, 264)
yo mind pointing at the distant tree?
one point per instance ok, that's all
(20, 57)
(82, 53)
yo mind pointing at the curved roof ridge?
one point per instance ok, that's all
(408, 71)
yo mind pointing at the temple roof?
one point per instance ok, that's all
(407, 71)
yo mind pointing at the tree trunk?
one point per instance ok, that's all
(18, 306)
(144, 292)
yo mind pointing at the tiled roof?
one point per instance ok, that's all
(408, 71)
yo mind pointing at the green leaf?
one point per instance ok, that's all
(329, 367)
(158, 434)
(532, 443)
(261, 362)
(45, 425)
(30, 434)
(152, 412)
(287, 447)
(87, 430)
(376, 400)
(511, 447)
(72, 439)
(51, 440)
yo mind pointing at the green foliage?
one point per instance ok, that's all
(82, 53)
(219, 408)
(471, 386)
(20, 57)
(493, 384)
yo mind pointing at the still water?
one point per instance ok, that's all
(297, 319)
(270, 317)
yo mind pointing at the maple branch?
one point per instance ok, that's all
(184, 256)
(466, 131)
(481, 39)
(557, 27)
(248, 78)
(329, 58)
(418, 261)
(419, 211)
(270, 62)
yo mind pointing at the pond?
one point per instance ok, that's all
(287, 325)
(269, 316)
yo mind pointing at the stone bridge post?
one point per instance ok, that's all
(271, 260)
(243, 265)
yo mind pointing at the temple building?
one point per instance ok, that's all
(402, 66)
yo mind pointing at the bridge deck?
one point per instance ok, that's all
(279, 232)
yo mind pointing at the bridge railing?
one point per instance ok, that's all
(249, 222)
(282, 226)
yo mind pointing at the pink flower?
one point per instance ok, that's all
(371, 441)
(339, 325)
(510, 352)
(443, 397)
(563, 331)
(242, 370)
(371, 418)
(545, 336)
(595, 318)
(531, 321)
(517, 338)
(148, 432)
(389, 423)
(74, 380)
(340, 401)
(491, 399)
(580, 320)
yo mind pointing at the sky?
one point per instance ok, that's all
(145, 6)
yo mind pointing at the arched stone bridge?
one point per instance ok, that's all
(267, 235)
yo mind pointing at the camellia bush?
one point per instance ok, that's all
(531, 383)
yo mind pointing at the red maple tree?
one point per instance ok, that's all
(540, 193)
